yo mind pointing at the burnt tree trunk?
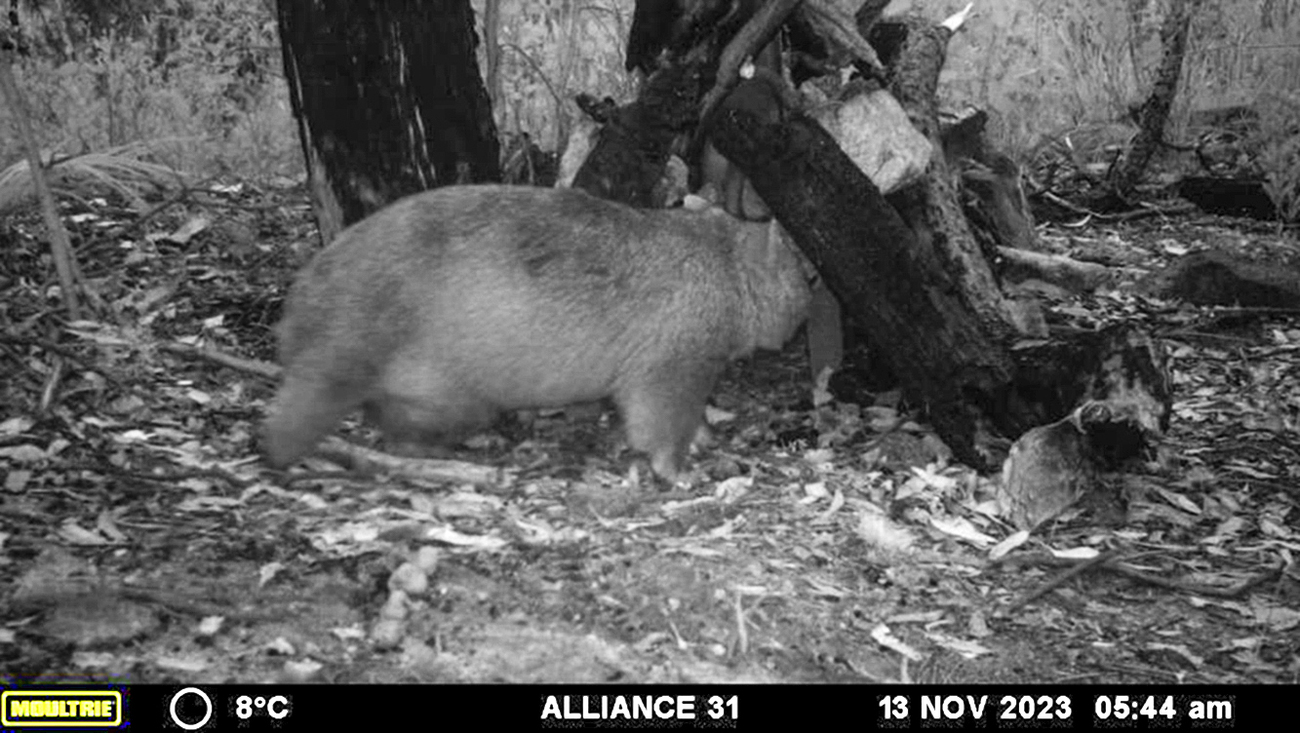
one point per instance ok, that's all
(906, 269)
(389, 101)
(633, 146)
(1154, 112)
(890, 286)
(994, 200)
(931, 310)
(629, 157)
(914, 50)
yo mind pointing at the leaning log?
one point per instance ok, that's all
(916, 284)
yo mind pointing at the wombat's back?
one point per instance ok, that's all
(452, 304)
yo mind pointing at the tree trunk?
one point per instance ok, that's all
(412, 115)
(492, 49)
(994, 199)
(892, 288)
(1155, 110)
(633, 146)
(910, 275)
(944, 344)
(914, 49)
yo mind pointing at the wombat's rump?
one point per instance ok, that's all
(447, 307)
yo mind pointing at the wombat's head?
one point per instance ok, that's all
(777, 277)
(795, 272)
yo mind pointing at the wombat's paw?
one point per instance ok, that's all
(683, 481)
(641, 476)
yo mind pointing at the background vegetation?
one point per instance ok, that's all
(199, 84)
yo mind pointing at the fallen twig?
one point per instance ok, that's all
(252, 366)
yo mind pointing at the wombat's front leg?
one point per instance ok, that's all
(662, 411)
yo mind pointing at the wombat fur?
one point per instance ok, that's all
(447, 307)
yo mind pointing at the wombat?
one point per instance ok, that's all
(450, 306)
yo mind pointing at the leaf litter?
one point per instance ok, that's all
(142, 539)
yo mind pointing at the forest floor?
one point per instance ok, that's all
(142, 538)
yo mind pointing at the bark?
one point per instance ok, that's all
(1215, 278)
(995, 201)
(1154, 112)
(1079, 277)
(909, 274)
(389, 101)
(633, 147)
(914, 51)
(890, 285)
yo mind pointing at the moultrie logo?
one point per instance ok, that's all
(61, 708)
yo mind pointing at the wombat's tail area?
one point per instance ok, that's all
(304, 411)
